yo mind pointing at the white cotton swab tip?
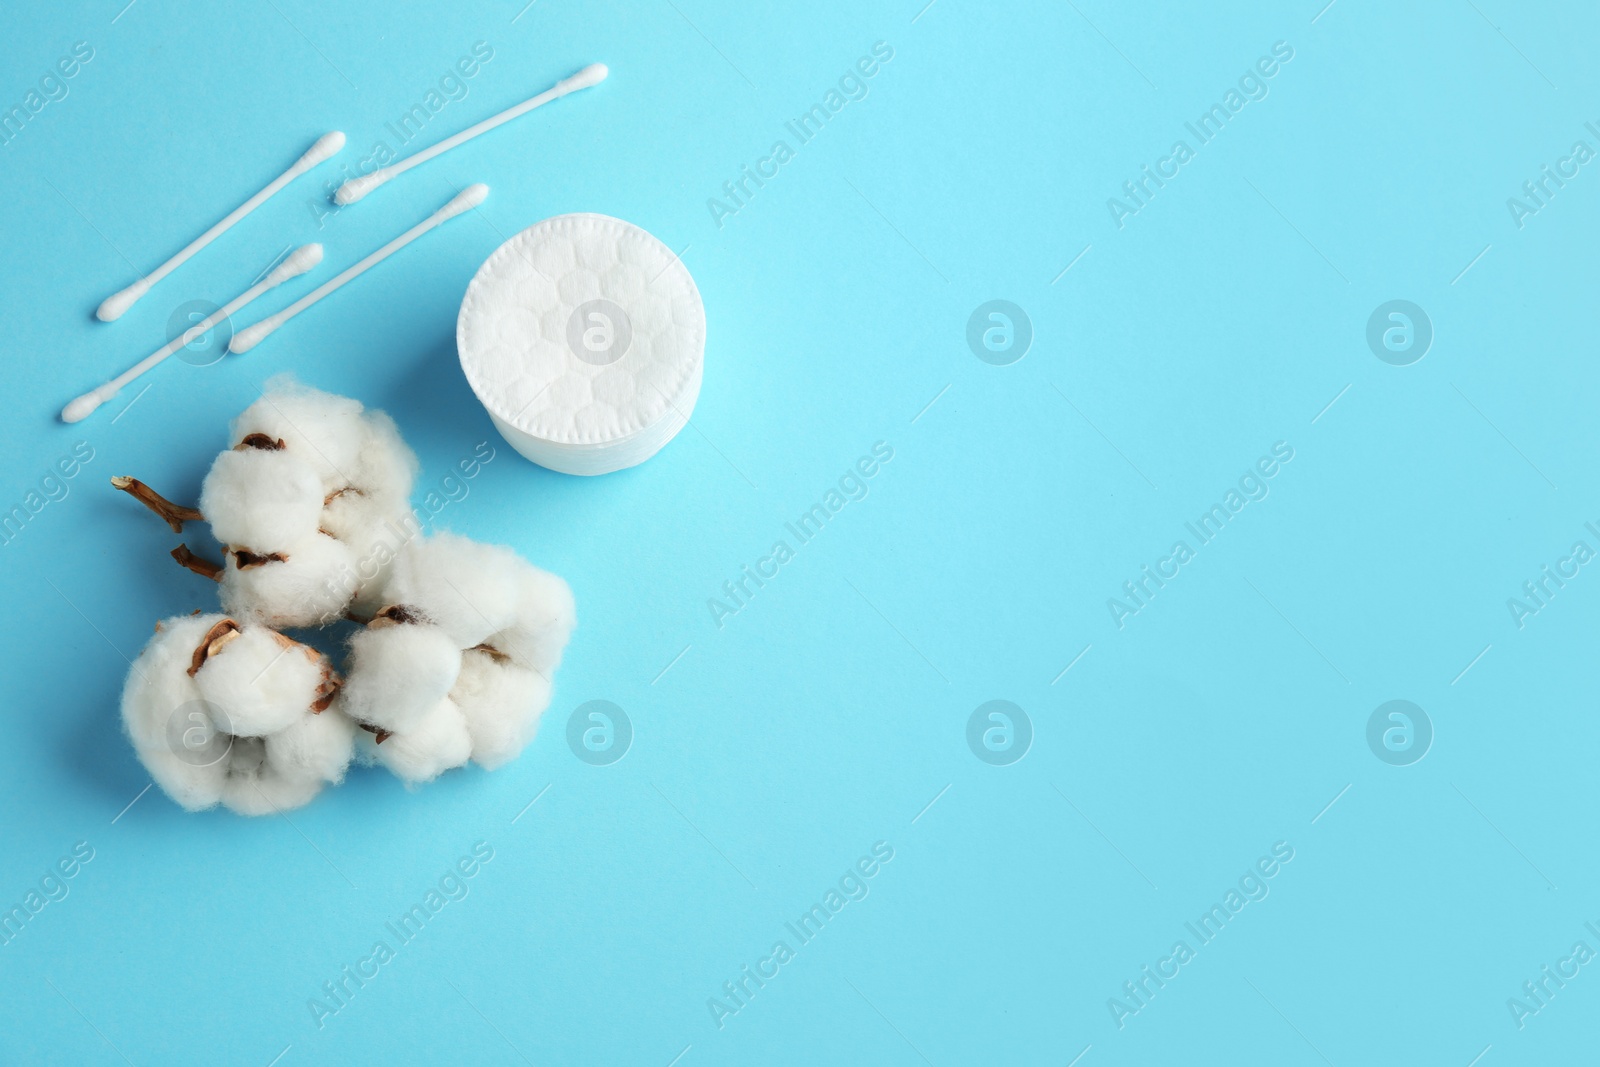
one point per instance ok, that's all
(82, 407)
(111, 309)
(357, 187)
(300, 260)
(465, 200)
(326, 145)
(593, 74)
(250, 336)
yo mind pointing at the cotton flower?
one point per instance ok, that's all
(264, 680)
(485, 595)
(502, 703)
(231, 713)
(323, 429)
(473, 624)
(437, 742)
(372, 514)
(398, 669)
(261, 496)
(399, 672)
(311, 502)
(307, 500)
(288, 589)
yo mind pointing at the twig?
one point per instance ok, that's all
(203, 567)
(174, 515)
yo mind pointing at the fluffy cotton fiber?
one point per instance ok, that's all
(398, 669)
(323, 429)
(304, 586)
(265, 499)
(502, 703)
(311, 502)
(265, 681)
(505, 625)
(486, 594)
(435, 743)
(231, 713)
(308, 468)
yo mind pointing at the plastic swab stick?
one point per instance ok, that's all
(360, 186)
(117, 303)
(300, 260)
(466, 200)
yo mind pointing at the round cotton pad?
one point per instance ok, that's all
(584, 336)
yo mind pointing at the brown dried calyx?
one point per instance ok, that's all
(328, 688)
(379, 735)
(397, 615)
(244, 559)
(213, 642)
(174, 515)
(261, 441)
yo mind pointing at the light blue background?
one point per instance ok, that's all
(825, 716)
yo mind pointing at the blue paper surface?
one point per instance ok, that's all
(1339, 348)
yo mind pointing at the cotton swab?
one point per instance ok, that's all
(117, 303)
(300, 260)
(360, 186)
(466, 200)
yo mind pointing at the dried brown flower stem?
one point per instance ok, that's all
(174, 515)
(203, 567)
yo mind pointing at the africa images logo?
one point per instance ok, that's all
(999, 333)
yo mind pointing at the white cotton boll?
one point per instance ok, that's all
(437, 743)
(375, 530)
(545, 615)
(386, 467)
(396, 674)
(372, 514)
(376, 500)
(162, 710)
(324, 430)
(268, 793)
(311, 586)
(469, 589)
(263, 499)
(487, 595)
(253, 786)
(193, 787)
(317, 746)
(262, 681)
(502, 703)
(191, 743)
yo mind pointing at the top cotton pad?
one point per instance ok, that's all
(584, 336)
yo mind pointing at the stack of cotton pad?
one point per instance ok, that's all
(584, 337)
